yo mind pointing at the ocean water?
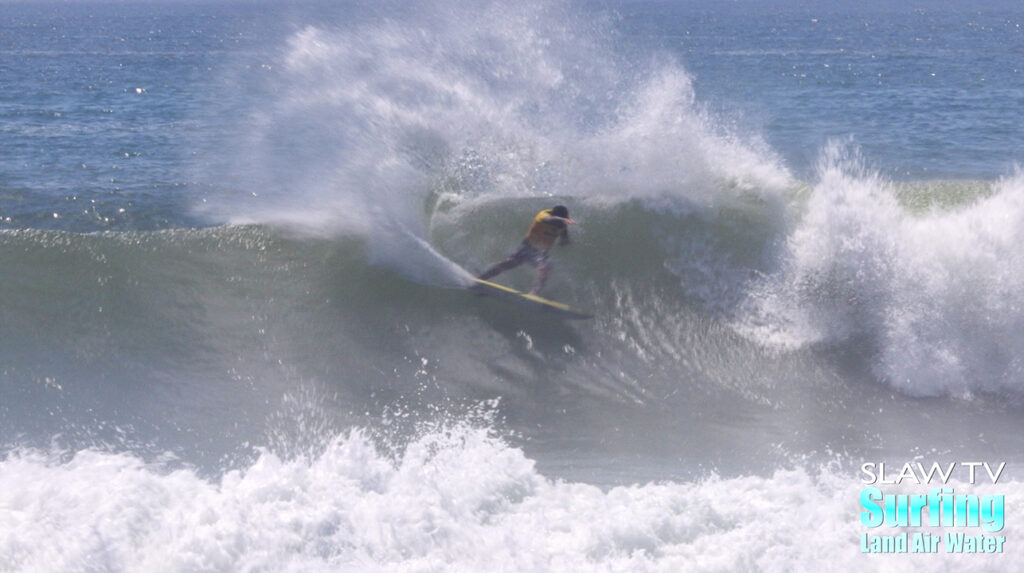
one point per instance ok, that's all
(234, 236)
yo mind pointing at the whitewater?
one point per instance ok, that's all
(234, 241)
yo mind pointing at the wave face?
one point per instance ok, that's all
(256, 351)
(732, 311)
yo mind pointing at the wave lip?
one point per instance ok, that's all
(929, 286)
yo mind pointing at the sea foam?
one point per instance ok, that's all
(456, 499)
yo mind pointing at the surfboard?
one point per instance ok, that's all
(526, 300)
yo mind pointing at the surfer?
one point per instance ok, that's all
(548, 226)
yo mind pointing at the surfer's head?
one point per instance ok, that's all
(560, 211)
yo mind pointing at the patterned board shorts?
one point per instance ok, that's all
(527, 253)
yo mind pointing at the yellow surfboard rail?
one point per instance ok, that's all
(539, 303)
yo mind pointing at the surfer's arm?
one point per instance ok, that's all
(564, 237)
(565, 221)
(556, 218)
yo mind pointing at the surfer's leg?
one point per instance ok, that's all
(509, 263)
(543, 268)
(514, 260)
